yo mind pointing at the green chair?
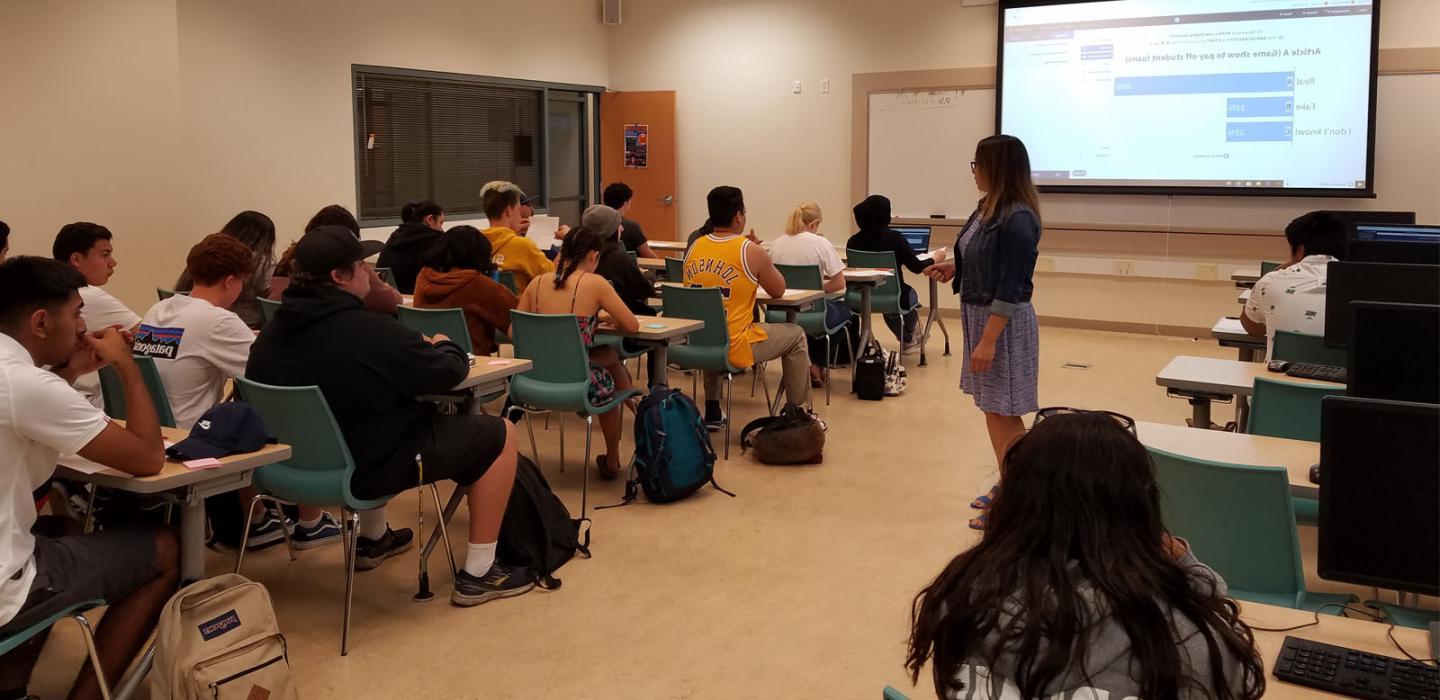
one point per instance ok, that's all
(1298, 347)
(1290, 410)
(167, 293)
(75, 612)
(268, 307)
(450, 322)
(893, 694)
(708, 349)
(1267, 267)
(318, 471)
(558, 381)
(387, 276)
(113, 392)
(507, 278)
(886, 298)
(812, 321)
(675, 269)
(1239, 520)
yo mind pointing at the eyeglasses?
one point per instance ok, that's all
(1125, 421)
(972, 166)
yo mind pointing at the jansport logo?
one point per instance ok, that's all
(220, 625)
(159, 343)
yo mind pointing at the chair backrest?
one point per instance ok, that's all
(1267, 267)
(451, 322)
(113, 392)
(802, 276)
(167, 293)
(702, 304)
(893, 694)
(386, 275)
(1299, 347)
(1239, 518)
(560, 377)
(675, 269)
(268, 307)
(883, 261)
(300, 417)
(1287, 409)
(507, 278)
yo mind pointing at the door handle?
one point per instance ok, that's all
(668, 199)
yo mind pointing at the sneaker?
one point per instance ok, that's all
(267, 529)
(324, 532)
(500, 581)
(369, 553)
(714, 417)
(912, 347)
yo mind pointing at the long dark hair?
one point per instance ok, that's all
(334, 215)
(257, 232)
(578, 243)
(1079, 506)
(461, 248)
(415, 212)
(1006, 167)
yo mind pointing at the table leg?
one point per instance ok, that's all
(661, 353)
(1200, 412)
(192, 538)
(931, 319)
(792, 314)
(865, 325)
(1242, 414)
(1247, 354)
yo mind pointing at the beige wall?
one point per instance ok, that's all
(162, 118)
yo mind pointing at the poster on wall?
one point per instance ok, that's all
(637, 149)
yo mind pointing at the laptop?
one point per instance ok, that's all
(917, 236)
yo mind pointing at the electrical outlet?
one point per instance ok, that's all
(1206, 271)
(825, 86)
(1045, 263)
(1125, 268)
(795, 87)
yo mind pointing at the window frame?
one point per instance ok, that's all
(592, 99)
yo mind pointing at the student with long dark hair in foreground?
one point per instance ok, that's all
(1076, 589)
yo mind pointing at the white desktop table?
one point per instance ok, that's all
(1201, 380)
(1231, 334)
(1296, 456)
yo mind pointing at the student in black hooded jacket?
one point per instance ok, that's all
(422, 225)
(875, 235)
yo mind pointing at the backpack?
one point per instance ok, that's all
(895, 375)
(673, 454)
(218, 639)
(794, 436)
(538, 532)
(868, 377)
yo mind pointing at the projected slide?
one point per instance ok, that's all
(1191, 93)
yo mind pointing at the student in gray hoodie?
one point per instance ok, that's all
(1076, 590)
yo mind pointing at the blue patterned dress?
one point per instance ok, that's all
(1011, 386)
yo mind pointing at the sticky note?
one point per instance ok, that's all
(493, 363)
(208, 463)
(654, 325)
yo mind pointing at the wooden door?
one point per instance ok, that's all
(649, 119)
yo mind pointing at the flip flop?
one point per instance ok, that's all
(980, 521)
(984, 501)
(605, 472)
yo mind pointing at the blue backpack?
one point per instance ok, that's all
(673, 455)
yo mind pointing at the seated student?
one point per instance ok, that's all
(1076, 589)
(873, 217)
(574, 288)
(382, 298)
(617, 196)
(46, 565)
(457, 275)
(705, 229)
(513, 252)
(373, 371)
(90, 249)
(257, 232)
(197, 344)
(739, 267)
(802, 244)
(616, 265)
(422, 225)
(1292, 298)
(4, 240)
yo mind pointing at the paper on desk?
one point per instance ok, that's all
(208, 463)
(542, 230)
(493, 363)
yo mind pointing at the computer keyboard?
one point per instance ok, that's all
(1353, 673)
(1324, 373)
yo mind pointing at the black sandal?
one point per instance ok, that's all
(605, 472)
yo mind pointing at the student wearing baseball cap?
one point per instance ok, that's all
(382, 297)
(511, 251)
(372, 371)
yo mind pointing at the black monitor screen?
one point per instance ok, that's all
(917, 236)
(1395, 352)
(1394, 232)
(1403, 252)
(1379, 490)
(1354, 218)
(1348, 281)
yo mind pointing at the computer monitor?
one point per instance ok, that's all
(1398, 233)
(917, 236)
(1395, 352)
(1348, 281)
(1379, 486)
(1404, 252)
(1354, 218)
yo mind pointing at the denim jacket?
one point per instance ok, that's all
(999, 267)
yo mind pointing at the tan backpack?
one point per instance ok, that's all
(218, 639)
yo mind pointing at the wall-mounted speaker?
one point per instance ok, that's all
(610, 11)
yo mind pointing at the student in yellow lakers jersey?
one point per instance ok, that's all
(739, 266)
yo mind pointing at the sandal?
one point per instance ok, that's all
(605, 472)
(980, 521)
(983, 502)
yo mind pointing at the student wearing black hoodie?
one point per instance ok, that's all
(372, 371)
(873, 217)
(422, 225)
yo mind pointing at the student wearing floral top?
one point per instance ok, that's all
(1292, 298)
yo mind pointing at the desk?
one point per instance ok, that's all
(1244, 296)
(792, 302)
(668, 330)
(933, 317)
(187, 487)
(1231, 334)
(651, 263)
(1358, 634)
(667, 246)
(1245, 277)
(489, 374)
(1205, 379)
(865, 279)
(1296, 456)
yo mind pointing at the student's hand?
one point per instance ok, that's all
(109, 345)
(939, 256)
(983, 358)
(752, 236)
(941, 271)
(83, 360)
(561, 232)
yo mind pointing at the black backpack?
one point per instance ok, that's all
(538, 531)
(793, 436)
(869, 374)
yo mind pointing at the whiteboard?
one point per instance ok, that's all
(921, 145)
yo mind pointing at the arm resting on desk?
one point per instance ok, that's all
(137, 448)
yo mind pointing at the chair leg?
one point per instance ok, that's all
(351, 538)
(729, 410)
(850, 348)
(90, 509)
(93, 653)
(442, 518)
(585, 466)
(245, 533)
(695, 385)
(829, 362)
(561, 421)
(765, 383)
(530, 428)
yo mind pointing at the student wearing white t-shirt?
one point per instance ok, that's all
(802, 244)
(198, 343)
(46, 565)
(1292, 298)
(90, 249)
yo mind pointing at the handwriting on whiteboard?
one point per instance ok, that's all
(908, 100)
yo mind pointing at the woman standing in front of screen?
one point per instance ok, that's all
(995, 257)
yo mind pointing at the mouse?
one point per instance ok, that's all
(1315, 474)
